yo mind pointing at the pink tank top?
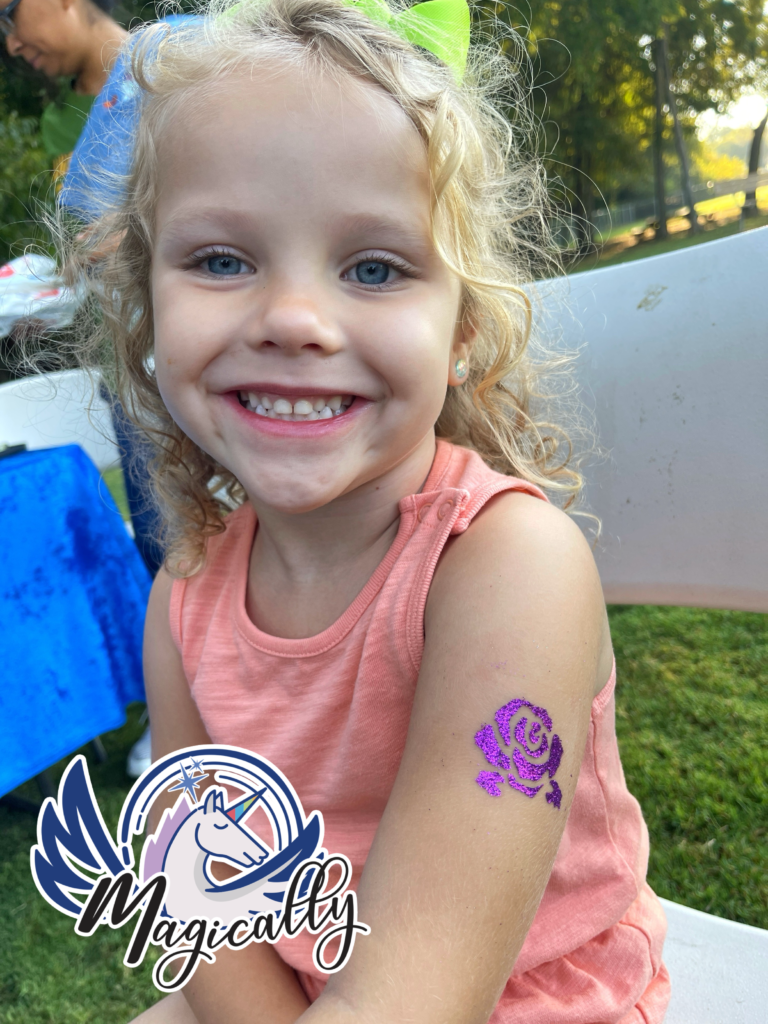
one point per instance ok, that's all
(332, 712)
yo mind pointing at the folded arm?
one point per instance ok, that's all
(247, 986)
(456, 873)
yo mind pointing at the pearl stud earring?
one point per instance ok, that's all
(461, 367)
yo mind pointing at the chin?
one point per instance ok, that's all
(292, 500)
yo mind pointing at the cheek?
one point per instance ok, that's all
(48, 42)
(178, 362)
(177, 381)
(411, 351)
(183, 335)
(170, 385)
(169, 355)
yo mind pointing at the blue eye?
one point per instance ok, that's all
(224, 265)
(372, 272)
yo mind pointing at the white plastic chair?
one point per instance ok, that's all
(719, 969)
(676, 359)
(52, 409)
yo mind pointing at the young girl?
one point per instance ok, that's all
(323, 241)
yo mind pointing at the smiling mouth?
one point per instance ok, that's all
(300, 409)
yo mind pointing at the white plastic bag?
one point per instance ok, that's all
(31, 290)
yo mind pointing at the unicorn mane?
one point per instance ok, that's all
(155, 847)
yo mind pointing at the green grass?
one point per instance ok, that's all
(682, 240)
(617, 230)
(115, 482)
(692, 717)
(48, 975)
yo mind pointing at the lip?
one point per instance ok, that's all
(313, 429)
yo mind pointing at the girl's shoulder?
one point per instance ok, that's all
(523, 561)
(225, 550)
(516, 528)
(456, 466)
(239, 520)
(192, 600)
(504, 512)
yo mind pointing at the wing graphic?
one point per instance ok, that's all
(72, 832)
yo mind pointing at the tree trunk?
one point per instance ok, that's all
(585, 205)
(682, 156)
(750, 200)
(658, 140)
(587, 225)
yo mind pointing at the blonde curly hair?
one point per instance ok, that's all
(490, 219)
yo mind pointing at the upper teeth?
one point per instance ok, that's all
(321, 407)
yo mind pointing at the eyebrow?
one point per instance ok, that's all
(370, 224)
(187, 216)
(357, 226)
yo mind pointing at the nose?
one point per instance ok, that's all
(298, 321)
(13, 44)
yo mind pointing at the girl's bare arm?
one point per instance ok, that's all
(455, 874)
(248, 986)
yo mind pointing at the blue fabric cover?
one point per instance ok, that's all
(73, 594)
(101, 160)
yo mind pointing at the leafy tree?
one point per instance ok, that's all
(593, 90)
(594, 78)
(716, 48)
(24, 166)
(25, 181)
(711, 164)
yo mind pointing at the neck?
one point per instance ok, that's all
(105, 37)
(307, 569)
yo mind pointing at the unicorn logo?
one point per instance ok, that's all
(204, 868)
(211, 833)
(192, 836)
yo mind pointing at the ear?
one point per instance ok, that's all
(219, 802)
(210, 802)
(463, 339)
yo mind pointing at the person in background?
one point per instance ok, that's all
(87, 130)
(75, 41)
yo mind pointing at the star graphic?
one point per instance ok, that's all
(196, 766)
(188, 784)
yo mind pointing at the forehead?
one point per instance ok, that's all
(274, 138)
(40, 12)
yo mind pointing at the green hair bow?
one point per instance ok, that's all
(440, 26)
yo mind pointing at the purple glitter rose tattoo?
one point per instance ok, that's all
(530, 728)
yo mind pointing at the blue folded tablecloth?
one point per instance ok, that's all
(73, 594)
